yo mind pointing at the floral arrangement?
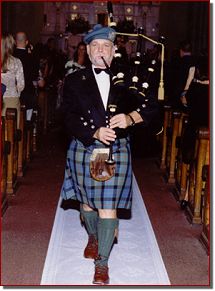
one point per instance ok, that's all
(126, 26)
(78, 25)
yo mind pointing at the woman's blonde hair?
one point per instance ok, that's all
(7, 46)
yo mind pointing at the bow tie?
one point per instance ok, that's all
(98, 70)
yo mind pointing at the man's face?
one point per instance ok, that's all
(21, 39)
(100, 48)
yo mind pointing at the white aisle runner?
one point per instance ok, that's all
(135, 260)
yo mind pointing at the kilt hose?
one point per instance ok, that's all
(78, 184)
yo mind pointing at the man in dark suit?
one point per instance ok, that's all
(30, 68)
(179, 70)
(88, 96)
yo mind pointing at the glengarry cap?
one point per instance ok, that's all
(100, 32)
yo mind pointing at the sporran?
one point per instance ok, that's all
(99, 169)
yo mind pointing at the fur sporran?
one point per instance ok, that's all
(99, 169)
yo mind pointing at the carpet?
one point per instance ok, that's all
(135, 259)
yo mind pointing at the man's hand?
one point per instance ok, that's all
(105, 135)
(120, 120)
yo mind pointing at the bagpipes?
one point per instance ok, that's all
(119, 76)
(136, 63)
(141, 76)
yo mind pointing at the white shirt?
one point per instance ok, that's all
(13, 79)
(103, 82)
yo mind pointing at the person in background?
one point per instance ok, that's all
(179, 70)
(54, 78)
(56, 63)
(79, 61)
(12, 76)
(30, 67)
(198, 94)
(87, 98)
(197, 102)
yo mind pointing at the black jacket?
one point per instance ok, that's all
(31, 69)
(83, 108)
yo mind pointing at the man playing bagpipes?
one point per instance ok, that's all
(98, 115)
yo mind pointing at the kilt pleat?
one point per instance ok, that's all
(78, 184)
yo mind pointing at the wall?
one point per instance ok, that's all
(175, 20)
(185, 20)
(23, 16)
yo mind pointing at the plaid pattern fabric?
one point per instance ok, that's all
(111, 194)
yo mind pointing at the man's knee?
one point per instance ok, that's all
(87, 207)
(107, 213)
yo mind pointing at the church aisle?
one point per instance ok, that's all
(28, 221)
(134, 260)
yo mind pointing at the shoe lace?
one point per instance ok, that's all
(92, 242)
(101, 269)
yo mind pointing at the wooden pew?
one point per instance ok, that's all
(174, 150)
(5, 150)
(22, 142)
(196, 186)
(29, 147)
(166, 125)
(205, 235)
(182, 167)
(24, 136)
(10, 135)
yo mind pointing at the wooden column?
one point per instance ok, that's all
(184, 180)
(29, 140)
(192, 178)
(176, 123)
(17, 138)
(205, 235)
(178, 168)
(22, 142)
(167, 116)
(11, 128)
(4, 152)
(183, 168)
(24, 135)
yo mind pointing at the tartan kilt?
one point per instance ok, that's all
(78, 184)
